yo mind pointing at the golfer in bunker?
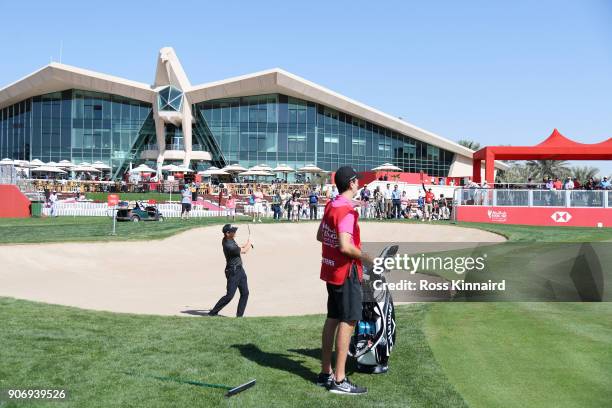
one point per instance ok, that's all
(234, 272)
(341, 269)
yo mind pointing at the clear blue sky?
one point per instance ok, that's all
(495, 72)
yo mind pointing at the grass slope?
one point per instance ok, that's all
(73, 229)
(90, 353)
(488, 354)
(525, 354)
(80, 229)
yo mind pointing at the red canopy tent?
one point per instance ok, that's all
(555, 147)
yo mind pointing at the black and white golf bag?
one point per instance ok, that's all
(374, 336)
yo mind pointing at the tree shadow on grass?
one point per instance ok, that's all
(315, 353)
(279, 361)
(311, 352)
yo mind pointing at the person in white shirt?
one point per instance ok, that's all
(569, 184)
(258, 206)
(387, 193)
(53, 203)
(185, 202)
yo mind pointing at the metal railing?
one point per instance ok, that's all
(533, 198)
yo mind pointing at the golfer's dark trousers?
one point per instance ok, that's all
(277, 211)
(397, 208)
(236, 279)
(313, 211)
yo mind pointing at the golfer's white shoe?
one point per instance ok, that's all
(347, 387)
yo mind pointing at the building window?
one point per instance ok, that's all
(170, 99)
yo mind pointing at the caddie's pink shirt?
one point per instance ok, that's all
(347, 223)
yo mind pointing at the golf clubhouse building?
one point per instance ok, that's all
(62, 112)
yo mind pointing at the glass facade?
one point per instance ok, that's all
(87, 126)
(276, 129)
(170, 99)
(78, 126)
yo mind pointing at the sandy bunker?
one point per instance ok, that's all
(185, 272)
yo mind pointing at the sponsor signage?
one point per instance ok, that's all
(559, 216)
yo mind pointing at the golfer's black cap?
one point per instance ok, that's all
(344, 175)
(229, 228)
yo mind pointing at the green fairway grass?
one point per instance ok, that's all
(73, 229)
(545, 234)
(447, 354)
(104, 359)
(525, 354)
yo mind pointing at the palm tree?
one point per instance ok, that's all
(517, 173)
(470, 144)
(549, 168)
(583, 173)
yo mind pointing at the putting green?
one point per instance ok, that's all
(525, 354)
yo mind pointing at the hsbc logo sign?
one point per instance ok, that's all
(561, 216)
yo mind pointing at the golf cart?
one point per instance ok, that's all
(140, 212)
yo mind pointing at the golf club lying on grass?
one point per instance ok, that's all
(231, 391)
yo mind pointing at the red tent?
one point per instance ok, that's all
(555, 147)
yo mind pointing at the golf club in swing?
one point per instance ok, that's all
(231, 391)
(249, 228)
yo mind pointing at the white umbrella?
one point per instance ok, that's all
(84, 164)
(387, 167)
(86, 169)
(310, 168)
(183, 169)
(66, 164)
(22, 163)
(143, 168)
(256, 173)
(234, 168)
(53, 164)
(283, 168)
(261, 167)
(213, 172)
(48, 169)
(100, 166)
(170, 167)
(37, 163)
(6, 161)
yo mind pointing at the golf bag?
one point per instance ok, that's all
(374, 336)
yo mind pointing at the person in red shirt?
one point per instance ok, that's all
(341, 269)
(429, 199)
(557, 185)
